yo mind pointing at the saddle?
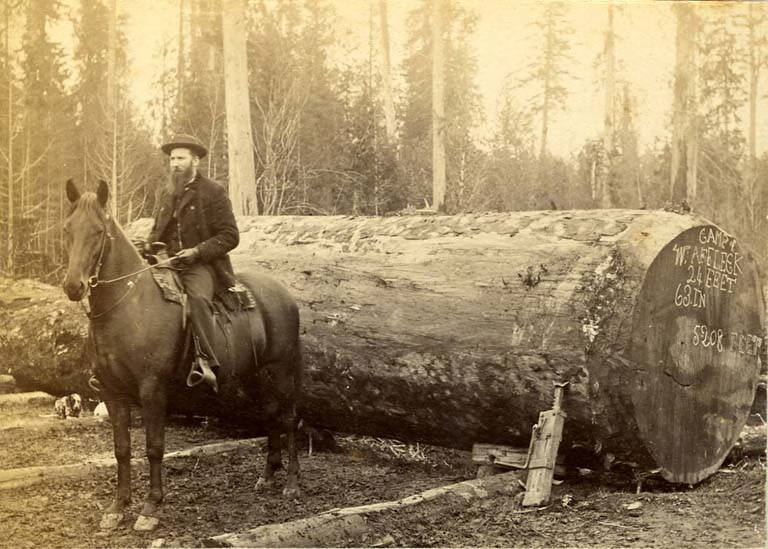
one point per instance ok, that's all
(233, 299)
(236, 297)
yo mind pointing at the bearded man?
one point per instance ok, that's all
(198, 226)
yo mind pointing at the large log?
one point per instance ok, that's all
(453, 329)
(43, 338)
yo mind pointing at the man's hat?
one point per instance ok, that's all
(185, 141)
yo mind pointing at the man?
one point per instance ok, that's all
(198, 226)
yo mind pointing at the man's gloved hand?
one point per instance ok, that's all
(187, 256)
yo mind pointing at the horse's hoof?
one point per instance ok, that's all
(110, 521)
(263, 484)
(292, 493)
(146, 524)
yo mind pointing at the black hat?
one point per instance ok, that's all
(185, 141)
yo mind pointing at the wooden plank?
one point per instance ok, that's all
(509, 457)
(495, 454)
(541, 467)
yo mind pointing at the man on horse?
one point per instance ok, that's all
(198, 226)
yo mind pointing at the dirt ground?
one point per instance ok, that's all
(210, 495)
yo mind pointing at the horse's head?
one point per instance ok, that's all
(86, 234)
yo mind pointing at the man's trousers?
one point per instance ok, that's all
(199, 283)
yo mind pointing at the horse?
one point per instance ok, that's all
(137, 340)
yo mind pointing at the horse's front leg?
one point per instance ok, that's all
(153, 402)
(120, 415)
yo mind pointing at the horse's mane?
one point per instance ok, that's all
(89, 202)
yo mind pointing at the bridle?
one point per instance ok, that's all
(94, 280)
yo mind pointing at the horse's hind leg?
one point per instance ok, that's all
(292, 489)
(120, 416)
(274, 457)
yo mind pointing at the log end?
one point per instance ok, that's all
(696, 346)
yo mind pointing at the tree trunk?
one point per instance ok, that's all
(609, 119)
(438, 108)
(180, 58)
(242, 174)
(9, 249)
(755, 61)
(386, 74)
(112, 105)
(683, 162)
(453, 329)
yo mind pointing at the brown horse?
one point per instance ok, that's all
(138, 342)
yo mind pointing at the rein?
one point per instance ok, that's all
(94, 281)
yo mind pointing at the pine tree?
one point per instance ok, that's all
(722, 88)
(200, 108)
(755, 23)
(722, 97)
(462, 105)
(46, 128)
(512, 163)
(9, 135)
(684, 147)
(548, 71)
(278, 96)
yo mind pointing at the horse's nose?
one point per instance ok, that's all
(75, 290)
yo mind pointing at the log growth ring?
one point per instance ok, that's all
(696, 342)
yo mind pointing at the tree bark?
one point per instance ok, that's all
(755, 63)
(347, 525)
(9, 248)
(114, 194)
(453, 329)
(386, 74)
(438, 108)
(242, 174)
(609, 118)
(684, 139)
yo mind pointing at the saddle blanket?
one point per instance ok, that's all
(237, 298)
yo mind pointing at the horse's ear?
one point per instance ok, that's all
(103, 193)
(72, 193)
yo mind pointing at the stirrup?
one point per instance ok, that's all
(201, 372)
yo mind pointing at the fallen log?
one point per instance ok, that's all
(27, 476)
(452, 329)
(347, 526)
(34, 399)
(42, 338)
(751, 444)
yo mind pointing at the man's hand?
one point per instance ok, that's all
(187, 256)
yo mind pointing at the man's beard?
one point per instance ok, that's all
(178, 179)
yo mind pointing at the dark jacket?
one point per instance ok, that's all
(205, 220)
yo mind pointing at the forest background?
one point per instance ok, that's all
(547, 105)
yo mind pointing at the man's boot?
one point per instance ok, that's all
(201, 372)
